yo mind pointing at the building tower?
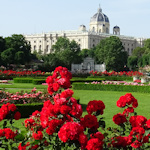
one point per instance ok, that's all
(99, 23)
(116, 30)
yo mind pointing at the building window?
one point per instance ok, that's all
(93, 40)
(78, 39)
(40, 41)
(34, 47)
(107, 30)
(34, 41)
(47, 48)
(40, 47)
(93, 29)
(100, 31)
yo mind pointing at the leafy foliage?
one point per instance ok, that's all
(111, 52)
(17, 50)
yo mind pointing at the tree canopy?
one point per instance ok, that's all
(16, 50)
(111, 52)
(67, 51)
(140, 56)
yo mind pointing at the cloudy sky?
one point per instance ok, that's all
(37, 16)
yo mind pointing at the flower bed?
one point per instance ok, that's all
(60, 124)
(137, 83)
(10, 74)
(23, 98)
(4, 82)
(114, 73)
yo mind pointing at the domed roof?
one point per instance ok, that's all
(99, 17)
(116, 27)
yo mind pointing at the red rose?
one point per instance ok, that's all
(90, 121)
(136, 144)
(9, 134)
(65, 109)
(137, 121)
(70, 131)
(95, 106)
(20, 147)
(12, 107)
(56, 86)
(128, 110)
(76, 110)
(94, 144)
(98, 135)
(2, 133)
(67, 93)
(49, 80)
(17, 115)
(119, 119)
(38, 135)
(148, 123)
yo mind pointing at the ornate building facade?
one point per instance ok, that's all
(99, 28)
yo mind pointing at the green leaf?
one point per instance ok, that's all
(20, 137)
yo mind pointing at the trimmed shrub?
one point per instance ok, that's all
(38, 81)
(22, 80)
(125, 88)
(27, 109)
(86, 79)
(113, 78)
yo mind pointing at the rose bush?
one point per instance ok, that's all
(60, 124)
(23, 98)
(114, 73)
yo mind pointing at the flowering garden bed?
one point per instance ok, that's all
(60, 124)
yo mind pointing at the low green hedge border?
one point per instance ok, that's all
(74, 79)
(29, 80)
(40, 81)
(114, 78)
(86, 79)
(27, 109)
(125, 88)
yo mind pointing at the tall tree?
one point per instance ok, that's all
(2, 47)
(138, 51)
(111, 52)
(132, 62)
(67, 51)
(21, 46)
(7, 56)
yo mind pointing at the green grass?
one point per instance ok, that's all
(108, 97)
(21, 86)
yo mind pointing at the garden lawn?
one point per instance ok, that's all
(110, 98)
(22, 86)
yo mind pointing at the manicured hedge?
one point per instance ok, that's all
(109, 87)
(114, 78)
(22, 80)
(42, 80)
(86, 79)
(38, 81)
(29, 80)
(27, 109)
